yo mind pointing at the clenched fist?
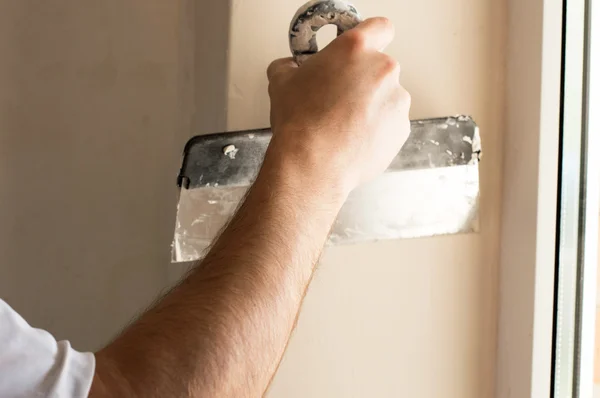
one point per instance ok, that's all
(342, 115)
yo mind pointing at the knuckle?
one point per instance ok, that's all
(390, 65)
(272, 66)
(276, 68)
(356, 40)
(274, 77)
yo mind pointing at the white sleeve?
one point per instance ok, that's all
(34, 364)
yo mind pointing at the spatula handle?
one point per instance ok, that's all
(313, 16)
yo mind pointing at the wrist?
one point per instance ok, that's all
(303, 178)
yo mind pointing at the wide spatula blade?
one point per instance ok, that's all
(431, 188)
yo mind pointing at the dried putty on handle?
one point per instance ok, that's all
(313, 16)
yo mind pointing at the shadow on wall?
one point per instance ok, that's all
(96, 104)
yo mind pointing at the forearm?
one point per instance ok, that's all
(222, 332)
(337, 121)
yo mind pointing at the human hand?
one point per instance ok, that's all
(342, 115)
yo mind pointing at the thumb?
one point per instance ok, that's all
(280, 67)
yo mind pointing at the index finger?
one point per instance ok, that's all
(282, 65)
(375, 33)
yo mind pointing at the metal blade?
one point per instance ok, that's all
(431, 188)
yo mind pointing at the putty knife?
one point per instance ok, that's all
(431, 188)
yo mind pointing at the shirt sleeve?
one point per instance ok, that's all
(34, 364)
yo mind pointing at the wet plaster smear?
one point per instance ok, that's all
(412, 318)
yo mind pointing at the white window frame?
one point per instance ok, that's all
(591, 253)
(530, 200)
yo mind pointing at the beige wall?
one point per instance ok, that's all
(413, 318)
(96, 101)
(89, 121)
